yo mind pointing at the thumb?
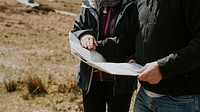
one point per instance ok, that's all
(95, 43)
(141, 73)
(142, 69)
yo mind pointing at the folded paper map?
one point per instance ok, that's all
(96, 60)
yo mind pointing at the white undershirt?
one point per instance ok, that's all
(152, 94)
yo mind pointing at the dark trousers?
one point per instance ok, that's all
(100, 94)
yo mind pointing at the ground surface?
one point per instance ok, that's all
(34, 42)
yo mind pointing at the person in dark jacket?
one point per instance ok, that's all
(109, 27)
(168, 46)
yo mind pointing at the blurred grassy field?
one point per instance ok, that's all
(34, 42)
(65, 5)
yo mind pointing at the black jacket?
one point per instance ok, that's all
(170, 34)
(115, 49)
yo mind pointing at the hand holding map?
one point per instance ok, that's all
(96, 60)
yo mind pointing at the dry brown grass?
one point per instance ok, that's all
(65, 5)
(10, 85)
(35, 85)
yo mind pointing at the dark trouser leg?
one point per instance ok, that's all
(95, 100)
(119, 103)
(102, 93)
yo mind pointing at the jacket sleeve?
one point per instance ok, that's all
(82, 24)
(118, 46)
(187, 58)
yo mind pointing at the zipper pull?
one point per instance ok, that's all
(105, 10)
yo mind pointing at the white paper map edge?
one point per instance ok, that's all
(96, 60)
